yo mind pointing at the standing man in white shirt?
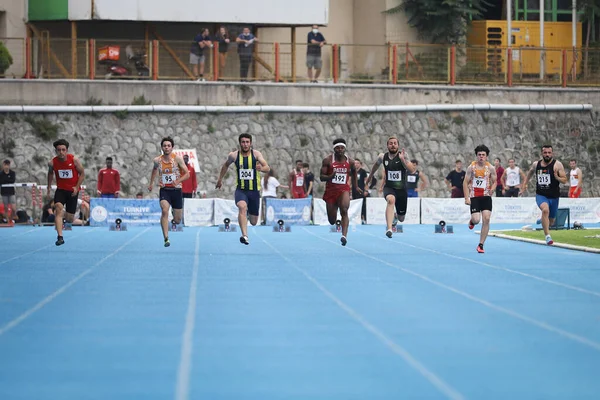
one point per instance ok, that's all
(575, 180)
(511, 180)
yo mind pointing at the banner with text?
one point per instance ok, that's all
(376, 211)
(586, 210)
(198, 212)
(138, 212)
(320, 212)
(514, 210)
(292, 211)
(453, 211)
(191, 153)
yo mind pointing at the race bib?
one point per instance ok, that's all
(168, 179)
(543, 179)
(394, 176)
(65, 173)
(246, 174)
(411, 178)
(479, 183)
(339, 179)
(299, 181)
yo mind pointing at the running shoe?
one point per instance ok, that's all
(480, 248)
(395, 221)
(167, 243)
(549, 240)
(471, 224)
(344, 240)
(244, 240)
(389, 233)
(59, 241)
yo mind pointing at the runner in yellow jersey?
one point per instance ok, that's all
(248, 164)
(171, 171)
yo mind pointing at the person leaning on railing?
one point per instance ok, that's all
(316, 40)
(245, 47)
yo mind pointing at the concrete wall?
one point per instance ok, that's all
(62, 92)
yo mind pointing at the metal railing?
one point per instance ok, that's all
(393, 63)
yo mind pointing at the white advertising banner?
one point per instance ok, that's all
(376, 211)
(586, 210)
(453, 211)
(320, 212)
(191, 153)
(513, 210)
(198, 212)
(227, 209)
(275, 12)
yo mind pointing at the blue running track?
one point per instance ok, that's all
(115, 315)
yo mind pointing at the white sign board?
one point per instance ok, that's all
(320, 212)
(198, 212)
(271, 12)
(376, 211)
(191, 153)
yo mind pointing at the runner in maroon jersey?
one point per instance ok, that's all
(336, 170)
(69, 176)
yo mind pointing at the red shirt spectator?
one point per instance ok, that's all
(188, 187)
(109, 181)
(499, 172)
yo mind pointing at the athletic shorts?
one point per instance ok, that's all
(8, 199)
(188, 195)
(552, 204)
(172, 196)
(479, 204)
(412, 193)
(401, 198)
(196, 59)
(332, 196)
(67, 199)
(252, 199)
(574, 192)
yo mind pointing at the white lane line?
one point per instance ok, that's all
(63, 288)
(182, 389)
(45, 247)
(514, 314)
(512, 271)
(436, 381)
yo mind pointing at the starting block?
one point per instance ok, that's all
(118, 225)
(174, 227)
(67, 226)
(337, 228)
(280, 227)
(227, 227)
(441, 227)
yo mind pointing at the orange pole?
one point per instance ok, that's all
(28, 74)
(509, 69)
(335, 63)
(453, 65)
(92, 58)
(395, 64)
(564, 68)
(277, 66)
(154, 60)
(407, 52)
(215, 56)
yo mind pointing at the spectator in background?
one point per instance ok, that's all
(309, 179)
(245, 43)
(499, 173)
(316, 40)
(296, 181)
(8, 177)
(139, 195)
(455, 179)
(575, 180)
(200, 46)
(269, 190)
(188, 187)
(362, 176)
(223, 38)
(416, 182)
(109, 181)
(48, 212)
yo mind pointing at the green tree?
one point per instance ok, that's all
(441, 21)
(5, 59)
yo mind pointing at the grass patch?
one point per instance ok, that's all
(574, 237)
